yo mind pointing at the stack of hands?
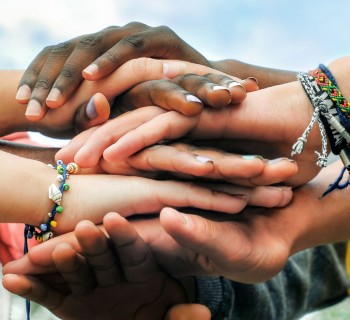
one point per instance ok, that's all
(156, 130)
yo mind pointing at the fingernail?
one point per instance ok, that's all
(33, 108)
(254, 79)
(215, 88)
(23, 92)
(241, 196)
(192, 98)
(251, 157)
(92, 69)
(91, 110)
(274, 161)
(282, 188)
(172, 69)
(54, 95)
(202, 159)
(181, 217)
(234, 84)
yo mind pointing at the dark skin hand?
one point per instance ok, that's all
(57, 71)
(114, 278)
(104, 51)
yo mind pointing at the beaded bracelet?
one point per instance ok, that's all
(55, 194)
(44, 233)
(332, 113)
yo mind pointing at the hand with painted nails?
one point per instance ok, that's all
(268, 122)
(183, 160)
(62, 123)
(104, 278)
(220, 89)
(57, 71)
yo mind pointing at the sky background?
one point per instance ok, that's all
(295, 35)
(276, 33)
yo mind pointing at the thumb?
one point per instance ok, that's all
(188, 312)
(95, 112)
(211, 239)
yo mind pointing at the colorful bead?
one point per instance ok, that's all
(47, 236)
(55, 194)
(60, 169)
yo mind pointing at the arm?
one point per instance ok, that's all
(279, 114)
(43, 154)
(266, 77)
(117, 276)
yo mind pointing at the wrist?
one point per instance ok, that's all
(321, 220)
(340, 69)
(24, 196)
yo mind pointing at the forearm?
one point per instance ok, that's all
(321, 220)
(266, 77)
(43, 154)
(23, 189)
(12, 113)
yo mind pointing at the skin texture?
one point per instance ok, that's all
(110, 273)
(94, 56)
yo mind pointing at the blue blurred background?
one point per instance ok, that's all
(294, 34)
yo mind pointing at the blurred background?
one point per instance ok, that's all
(295, 35)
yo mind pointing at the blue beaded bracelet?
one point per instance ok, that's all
(44, 233)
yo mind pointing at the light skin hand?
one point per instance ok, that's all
(274, 131)
(121, 279)
(178, 157)
(98, 194)
(250, 247)
(253, 246)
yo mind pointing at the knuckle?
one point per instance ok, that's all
(68, 72)
(89, 41)
(135, 41)
(142, 66)
(43, 83)
(61, 48)
(110, 28)
(166, 30)
(136, 25)
(111, 56)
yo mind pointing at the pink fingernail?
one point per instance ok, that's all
(92, 69)
(192, 98)
(202, 159)
(215, 88)
(54, 95)
(33, 108)
(23, 93)
(91, 110)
